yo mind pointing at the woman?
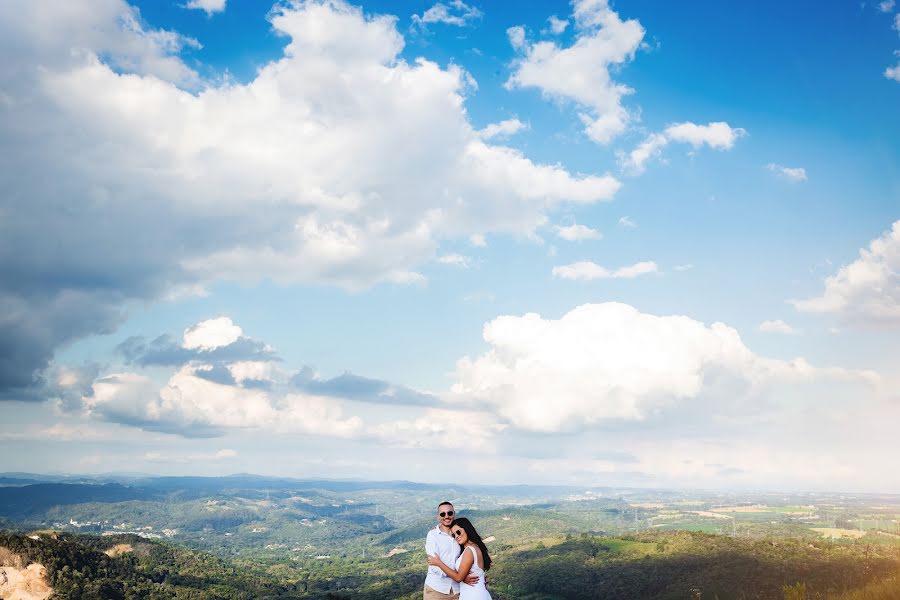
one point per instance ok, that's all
(474, 560)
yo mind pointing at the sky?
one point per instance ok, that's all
(587, 243)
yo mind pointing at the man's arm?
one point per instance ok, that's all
(431, 548)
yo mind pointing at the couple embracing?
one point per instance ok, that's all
(457, 559)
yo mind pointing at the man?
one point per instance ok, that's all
(439, 542)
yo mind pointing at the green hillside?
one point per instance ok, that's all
(659, 565)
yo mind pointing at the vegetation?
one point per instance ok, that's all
(887, 589)
(674, 565)
(663, 565)
(247, 537)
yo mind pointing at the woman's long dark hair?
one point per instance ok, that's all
(473, 537)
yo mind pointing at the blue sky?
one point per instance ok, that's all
(634, 244)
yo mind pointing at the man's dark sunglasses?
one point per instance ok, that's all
(449, 513)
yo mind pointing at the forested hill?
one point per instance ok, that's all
(79, 568)
(685, 565)
(660, 565)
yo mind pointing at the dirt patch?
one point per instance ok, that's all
(756, 508)
(708, 513)
(24, 584)
(837, 532)
(397, 551)
(119, 550)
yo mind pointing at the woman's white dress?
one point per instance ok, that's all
(477, 591)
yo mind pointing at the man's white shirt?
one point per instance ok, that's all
(446, 548)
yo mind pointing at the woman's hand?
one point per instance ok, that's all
(434, 561)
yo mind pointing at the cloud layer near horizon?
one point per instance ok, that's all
(608, 371)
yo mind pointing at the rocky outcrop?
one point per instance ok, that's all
(18, 582)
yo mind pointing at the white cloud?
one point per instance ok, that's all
(478, 240)
(516, 36)
(293, 177)
(251, 370)
(867, 291)
(627, 223)
(790, 173)
(580, 73)
(557, 25)
(456, 260)
(718, 135)
(210, 7)
(651, 147)
(193, 405)
(588, 270)
(500, 168)
(211, 334)
(886, 5)
(893, 72)
(684, 267)
(576, 232)
(440, 428)
(54, 35)
(503, 129)
(456, 13)
(777, 326)
(209, 396)
(611, 362)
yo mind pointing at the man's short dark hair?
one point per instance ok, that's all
(445, 502)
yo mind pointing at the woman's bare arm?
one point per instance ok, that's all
(464, 566)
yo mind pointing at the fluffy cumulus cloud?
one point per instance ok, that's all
(603, 362)
(718, 135)
(150, 180)
(560, 394)
(210, 7)
(192, 405)
(502, 129)
(576, 232)
(211, 334)
(557, 25)
(580, 73)
(893, 72)
(865, 292)
(793, 174)
(456, 13)
(588, 270)
(233, 387)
